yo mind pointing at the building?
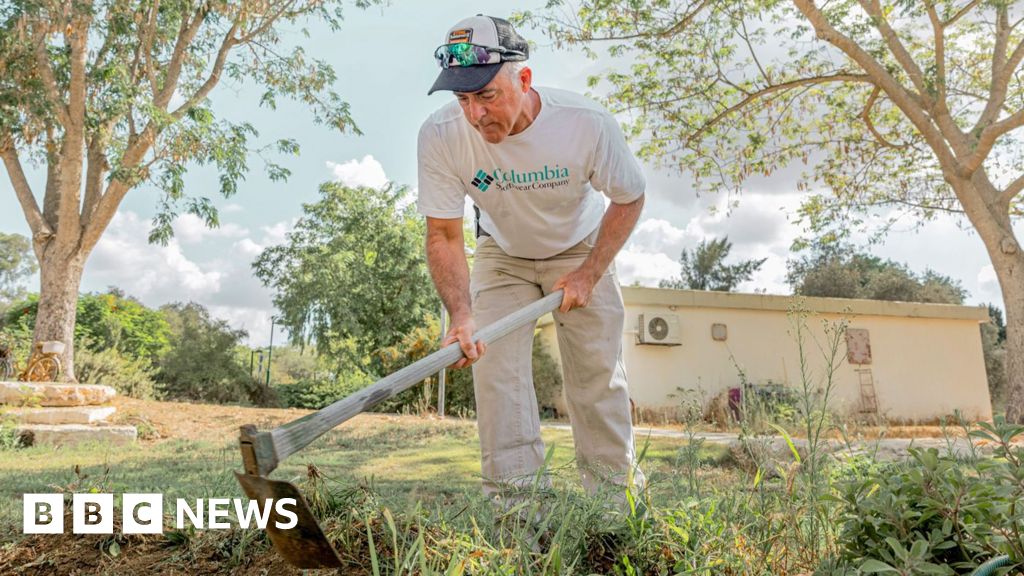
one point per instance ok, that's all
(906, 362)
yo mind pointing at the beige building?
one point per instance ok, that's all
(902, 361)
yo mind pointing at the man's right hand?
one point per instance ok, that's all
(462, 332)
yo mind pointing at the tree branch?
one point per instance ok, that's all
(880, 77)
(107, 204)
(214, 77)
(866, 116)
(1000, 74)
(904, 58)
(97, 169)
(1012, 190)
(46, 73)
(38, 226)
(988, 138)
(186, 35)
(752, 96)
(963, 11)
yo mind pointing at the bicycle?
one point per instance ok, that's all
(43, 364)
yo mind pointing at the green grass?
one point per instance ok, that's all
(407, 461)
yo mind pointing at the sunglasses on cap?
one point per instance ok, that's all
(466, 54)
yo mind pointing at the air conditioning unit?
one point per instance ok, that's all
(659, 330)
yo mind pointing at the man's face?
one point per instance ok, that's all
(495, 109)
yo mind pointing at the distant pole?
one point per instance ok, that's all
(441, 374)
(270, 352)
(252, 356)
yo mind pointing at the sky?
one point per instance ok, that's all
(387, 94)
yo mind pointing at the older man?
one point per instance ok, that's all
(535, 161)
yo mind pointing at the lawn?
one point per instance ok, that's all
(190, 451)
(400, 495)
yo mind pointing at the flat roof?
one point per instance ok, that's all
(637, 296)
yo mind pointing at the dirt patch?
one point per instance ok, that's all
(44, 555)
(216, 422)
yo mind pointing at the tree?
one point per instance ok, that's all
(352, 277)
(915, 107)
(110, 95)
(109, 321)
(706, 269)
(839, 271)
(16, 263)
(201, 363)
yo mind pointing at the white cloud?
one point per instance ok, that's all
(191, 229)
(232, 208)
(366, 172)
(156, 274)
(217, 276)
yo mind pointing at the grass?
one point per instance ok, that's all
(407, 460)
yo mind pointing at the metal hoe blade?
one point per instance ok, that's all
(304, 545)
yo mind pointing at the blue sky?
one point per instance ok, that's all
(387, 93)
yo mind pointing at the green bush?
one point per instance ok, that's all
(130, 377)
(315, 394)
(935, 514)
(201, 363)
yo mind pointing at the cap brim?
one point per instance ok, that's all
(465, 78)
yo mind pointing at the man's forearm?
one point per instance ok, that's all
(616, 226)
(450, 271)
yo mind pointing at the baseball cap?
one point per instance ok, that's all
(493, 40)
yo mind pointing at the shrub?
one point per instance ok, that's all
(129, 377)
(935, 514)
(315, 394)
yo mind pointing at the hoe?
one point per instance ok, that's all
(305, 545)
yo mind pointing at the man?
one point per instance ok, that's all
(535, 161)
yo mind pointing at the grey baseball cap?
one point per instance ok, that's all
(473, 52)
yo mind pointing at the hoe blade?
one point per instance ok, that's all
(305, 545)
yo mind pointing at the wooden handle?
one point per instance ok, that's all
(263, 451)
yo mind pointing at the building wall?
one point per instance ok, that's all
(923, 367)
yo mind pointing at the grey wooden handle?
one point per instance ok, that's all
(296, 435)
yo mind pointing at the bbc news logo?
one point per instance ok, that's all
(144, 513)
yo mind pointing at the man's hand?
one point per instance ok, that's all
(462, 332)
(579, 287)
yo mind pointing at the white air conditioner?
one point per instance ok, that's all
(658, 329)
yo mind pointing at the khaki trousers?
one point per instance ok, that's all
(590, 343)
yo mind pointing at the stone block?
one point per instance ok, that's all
(71, 434)
(62, 415)
(36, 394)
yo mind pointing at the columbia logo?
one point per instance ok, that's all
(482, 181)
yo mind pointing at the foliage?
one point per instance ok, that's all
(16, 263)
(130, 377)
(934, 514)
(992, 345)
(352, 277)
(422, 341)
(315, 394)
(705, 268)
(105, 321)
(129, 110)
(840, 271)
(898, 110)
(201, 363)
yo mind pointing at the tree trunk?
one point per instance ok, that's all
(1011, 279)
(58, 304)
(992, 222)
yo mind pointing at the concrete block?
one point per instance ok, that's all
(36, 394)
(62, 415)
(71, 434)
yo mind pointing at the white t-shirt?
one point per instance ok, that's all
(537, 190)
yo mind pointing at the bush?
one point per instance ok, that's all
(201, 363)
(133, 378)
(935, 514)
(316, 394)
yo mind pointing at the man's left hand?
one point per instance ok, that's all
(579, 287)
